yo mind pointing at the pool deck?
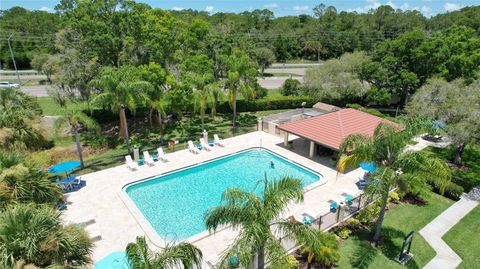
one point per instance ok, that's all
(118, 222)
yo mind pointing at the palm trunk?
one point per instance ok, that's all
(123, 123)
(160, 126)
(458, 153)
(318, 55)
(261, 258)
(150, 113)
(378, 227)
(234, 107)
(79, 147)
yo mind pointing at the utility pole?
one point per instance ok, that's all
(13, 59)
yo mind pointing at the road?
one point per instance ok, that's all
(275, 82)
(38, 91)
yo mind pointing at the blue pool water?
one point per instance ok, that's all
(175, 203)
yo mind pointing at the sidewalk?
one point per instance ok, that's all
(446, 258)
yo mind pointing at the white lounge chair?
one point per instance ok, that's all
(217, 140)
(205, 145)
(192, 148)
(130, 163)
(148, 159)
(161, 155)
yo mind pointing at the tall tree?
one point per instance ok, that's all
(397, 168)
(241, 76)
(265, 57)
(74, 118)
(120, 89)
(257, 216)
(185, 255)
(453, 103)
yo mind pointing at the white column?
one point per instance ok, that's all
(285, 139)
(259, 124)
(312, 149)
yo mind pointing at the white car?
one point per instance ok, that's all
(6, 84)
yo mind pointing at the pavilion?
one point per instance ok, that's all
(329, 130)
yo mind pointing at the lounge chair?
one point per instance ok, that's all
(217, 140)
(333, 205)
(192, 148)
(130, 163)
(161, 155)
(148, 159)
(205, 145)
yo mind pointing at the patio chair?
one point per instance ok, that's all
(218, 141)
(130, 163)
(148, 159)
(161, 155)
(205, 145)
(192, 148)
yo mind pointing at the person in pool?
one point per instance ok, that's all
(272, 165)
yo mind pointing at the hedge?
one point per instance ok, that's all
(269, 103)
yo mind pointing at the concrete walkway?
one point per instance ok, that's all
(446, 258)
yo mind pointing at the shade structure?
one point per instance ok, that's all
(63, 167)
(114, 260)
(368, 166)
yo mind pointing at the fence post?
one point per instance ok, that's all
(320, 223)
(360, 201)
(339, 208)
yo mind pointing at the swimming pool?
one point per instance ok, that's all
(174, 204)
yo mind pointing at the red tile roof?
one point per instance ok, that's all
(331, 129)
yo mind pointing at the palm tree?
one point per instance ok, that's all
(407, 170)
(121, 88)
(18, 120)
(257, 216)
(326, 254)
(74, 117)
(171, 256)
(35, 235)
(202, 96)
(241, 76)
(21, 182)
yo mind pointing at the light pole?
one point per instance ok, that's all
(13, 58)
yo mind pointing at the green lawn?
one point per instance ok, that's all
(148, 138)
(356, 253)
(49, 106)
(464, 239)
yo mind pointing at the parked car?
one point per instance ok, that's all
(6, 84)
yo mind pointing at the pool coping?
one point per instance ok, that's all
(153, 235)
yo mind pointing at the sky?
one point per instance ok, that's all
(279, 7)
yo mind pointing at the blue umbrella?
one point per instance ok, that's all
(368, 166)
(114, 260)
(63, 167)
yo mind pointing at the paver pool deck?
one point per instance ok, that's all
(118, 222)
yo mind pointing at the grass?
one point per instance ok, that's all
(274, 92)
(467, 178)
(464, 239)
(280, 75)
(399, 221)
(148, 138)
(49, 106)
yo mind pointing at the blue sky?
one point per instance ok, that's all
(279, 7)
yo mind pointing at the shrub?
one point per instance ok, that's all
(370, 111)
(393, 197)
(292, 262)
(291, 87)
(453, 191)
(353, 223)
(343, 232)
(367, 215)
(260, 92)
(269, 103)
